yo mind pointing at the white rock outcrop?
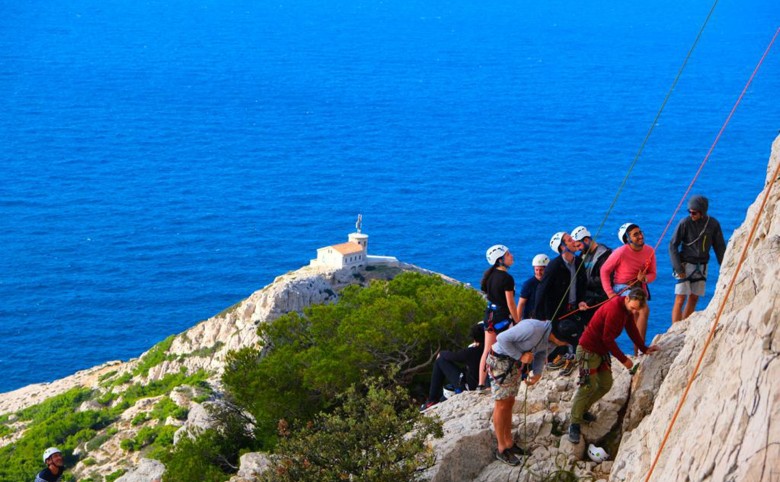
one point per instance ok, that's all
(727, 428)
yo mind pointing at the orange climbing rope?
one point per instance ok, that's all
(742, 257)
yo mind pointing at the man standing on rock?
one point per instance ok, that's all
(55, 466)
(689, 251)
(526, 343)
(632, 264)
(596, 345)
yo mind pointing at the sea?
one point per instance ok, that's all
(161, 160)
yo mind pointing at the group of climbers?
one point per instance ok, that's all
(571, 311)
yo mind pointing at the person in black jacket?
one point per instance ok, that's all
(689, 252)
(593, 257)
(562, 290)
(460, 368)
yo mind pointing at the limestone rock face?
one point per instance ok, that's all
(148, 470)
(727, 428)
(540, 418)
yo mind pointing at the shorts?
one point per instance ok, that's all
(497, 368)
(686, 287)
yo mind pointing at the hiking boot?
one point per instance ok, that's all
(588, 417)
(557, 363)
(507, 457)
(483, 389)
(518, 450)
(568, 367)
(425, 406)
(574, 433)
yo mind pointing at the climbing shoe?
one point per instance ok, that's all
(425, 406)
(507, 457)
(518, 450)
(483, 389)
(574, 433)
(557, 363)
(588, 417)
(568, 367)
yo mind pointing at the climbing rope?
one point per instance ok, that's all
(730, 287)
(642, 147)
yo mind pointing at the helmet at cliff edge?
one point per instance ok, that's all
(580, 232)
(597, 454)
(495, 252)
(49, 452)
(540, 260)
(623, 232)
(556, 240)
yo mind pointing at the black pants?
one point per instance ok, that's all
(443, 369)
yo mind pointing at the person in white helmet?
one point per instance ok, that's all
(525, 305)
(561, 291)
(55, 466)
(501, 312)
(632, 264)
(594, 255)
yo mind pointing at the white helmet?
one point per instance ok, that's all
(495, 252)
(540, 260)
(623, 232)
(597, 454)
(448, 391)
(49, 452)
(580, 232)
(556, 240)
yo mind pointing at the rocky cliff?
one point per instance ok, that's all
(727, 429)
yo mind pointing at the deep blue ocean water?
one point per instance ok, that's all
(161, 161)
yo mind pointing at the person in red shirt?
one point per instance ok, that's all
(596, 345)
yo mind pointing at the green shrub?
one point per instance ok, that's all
(156, 355)
(115, 475)
(391, 329)
(372, 437)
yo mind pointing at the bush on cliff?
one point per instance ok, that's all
(373, 436)
(391, 329)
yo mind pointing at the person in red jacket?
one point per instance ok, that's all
(596, 345)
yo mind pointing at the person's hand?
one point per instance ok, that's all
(628, 363)
(679, 275)
(611, 295)
(641, 276)
(582, 306)
(532, 380)
(652, 349)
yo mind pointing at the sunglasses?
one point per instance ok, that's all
(690, 211)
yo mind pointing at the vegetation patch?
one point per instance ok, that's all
(155, 356)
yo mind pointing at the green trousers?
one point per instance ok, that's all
(597, 386)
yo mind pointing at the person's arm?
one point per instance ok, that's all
(674, 253)
(718, 243)
(510, 302)
(606, 272)
(651, 273)
(521, 305)
(613, 326)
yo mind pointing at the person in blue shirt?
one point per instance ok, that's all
(526, 303)
(526, 343)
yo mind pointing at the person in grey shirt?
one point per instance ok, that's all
(526, 343)
(689, 252)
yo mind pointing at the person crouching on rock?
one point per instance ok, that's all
(526, 343)
(596, 344)
(460, 368)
